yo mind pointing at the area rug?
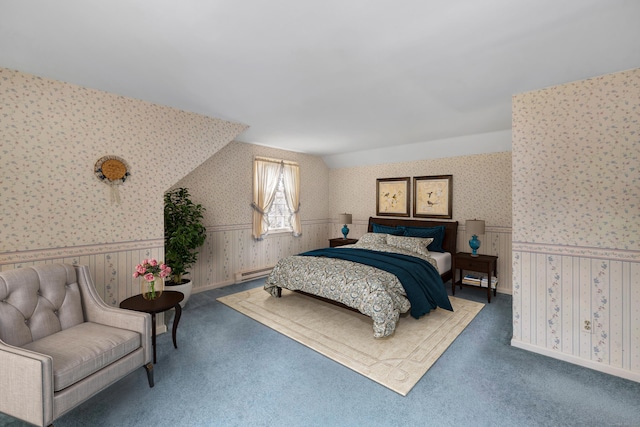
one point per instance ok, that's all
(397, 362)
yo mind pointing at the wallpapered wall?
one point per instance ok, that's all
(53, 206)
(224, 183)
(224, 186)
(481, 189)
(576, 248)
(53, 132)
(481, 186)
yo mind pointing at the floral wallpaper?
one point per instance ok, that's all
(577, 163)
(576, 222)
(52, 134)
(58, 211)
(224, 183)
(55, 209)
(481, 186)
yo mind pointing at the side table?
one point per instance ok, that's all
(487, 264)
(341, 241)
(166, 301)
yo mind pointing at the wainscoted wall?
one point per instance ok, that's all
(232, 249)
(227, 250)
(111, 265)
(481, 189)
(558, 288)
(576, 251)
(55, 208)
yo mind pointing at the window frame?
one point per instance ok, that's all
(265, 187)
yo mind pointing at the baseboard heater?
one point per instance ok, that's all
(243, 276)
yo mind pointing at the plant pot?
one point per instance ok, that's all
(185, 288)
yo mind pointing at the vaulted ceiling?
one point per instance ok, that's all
(325, 76)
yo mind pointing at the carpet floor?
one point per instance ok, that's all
(230, 370)
(397, 362)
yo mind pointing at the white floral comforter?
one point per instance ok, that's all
(373, 292)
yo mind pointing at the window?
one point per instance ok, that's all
(279, 215)
(276, 197)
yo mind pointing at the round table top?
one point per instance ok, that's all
(167, 300)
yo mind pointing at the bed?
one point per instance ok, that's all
(377, 291)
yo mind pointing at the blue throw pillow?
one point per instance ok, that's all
(396, 231)
(437, 233)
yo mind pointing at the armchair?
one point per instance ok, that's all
(60, 344)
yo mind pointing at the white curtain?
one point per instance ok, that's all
(291, 178)
(266, 175)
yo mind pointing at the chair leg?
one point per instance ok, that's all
(149, 368)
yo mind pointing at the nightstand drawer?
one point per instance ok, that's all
(470, 264)
(341, 242)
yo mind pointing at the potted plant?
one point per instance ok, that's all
(184, 233)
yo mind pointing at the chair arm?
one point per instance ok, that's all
(97, 311)
(26, 381)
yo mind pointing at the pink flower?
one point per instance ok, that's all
(150, 269)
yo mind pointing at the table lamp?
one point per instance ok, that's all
(345, 218)
(474, 227)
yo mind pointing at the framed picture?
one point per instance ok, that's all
(432, 196)
(392, 196)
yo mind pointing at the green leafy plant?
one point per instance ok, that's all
(184, 232)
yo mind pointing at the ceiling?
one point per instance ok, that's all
(325, 77)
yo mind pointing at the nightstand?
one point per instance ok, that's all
(340, 241)
(487, 264)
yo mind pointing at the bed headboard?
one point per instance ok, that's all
(450, 232)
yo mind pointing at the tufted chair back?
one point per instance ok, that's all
(38, 301)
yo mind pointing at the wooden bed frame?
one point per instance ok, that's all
(450, 233)
(449, 245)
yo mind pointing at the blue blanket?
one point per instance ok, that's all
(421, 280)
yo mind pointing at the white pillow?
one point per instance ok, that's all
(413, 244)
(373, 238)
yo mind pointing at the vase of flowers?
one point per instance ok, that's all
(152, 275)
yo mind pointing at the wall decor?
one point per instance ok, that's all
(113, 171)
(432, 196)
(392, 195)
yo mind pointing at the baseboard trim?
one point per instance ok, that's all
(596, 366)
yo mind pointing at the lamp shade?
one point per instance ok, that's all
(474, 227)
(345, 218)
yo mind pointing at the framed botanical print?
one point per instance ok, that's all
(392, 196)
(432, 196)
